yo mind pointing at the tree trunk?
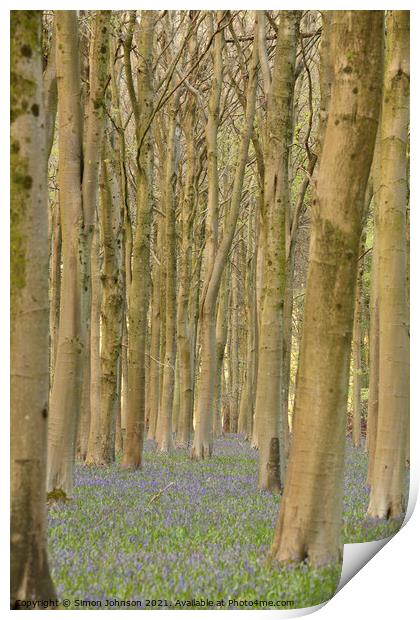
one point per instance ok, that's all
(176, 404)
(124, 377)
(30, 577)
(95, 353)
(286, 358)
(83, 427)
(276, 197)
(162, 343)
(67, 386)
(126, 245)
(259, 260)
(221, 338)
(194, 310)
(247, 403)
(373, 353)
(203, 444)
(234, 351)
(140, 283)
(111, 313)
(215, 262)
(387, 483)
(119, 441)
(357, 355)
(184, 322)
(154, 349)
(92, 148)
(310, 518)
(165, 443)
(54, 286)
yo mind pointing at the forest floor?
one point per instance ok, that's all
(206, 536)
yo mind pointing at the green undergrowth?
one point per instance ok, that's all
(180, 531)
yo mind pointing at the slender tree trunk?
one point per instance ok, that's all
(140, 283)
(202, 445)
(124, 376)
(111, 314)
(92, 148)
(310, 518)
(357, 355)
(184, 323)
(165, 443)
(373, 354)
(126, 245)
(215, 263)
(30, 577)
(194, 311)
(54, 286)
(119, 442)
(286, 357)
(234, 353)
(276, 196)
(155, 309)
(161, 131)
(247, 403)
(387, 497)
(259, 243)
(176, 403)
(186, 378)
(292, 227)
(83, 427)
(221, 338)
(162, 343)
(326, 76)
(67, 386)
(357, 363)
(95, 354)
(225, 400)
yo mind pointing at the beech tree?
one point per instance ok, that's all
(93, 131)
(91, 424)
(276, 199)
(247, 401)
(78, 181)
(185, 353)
(372, 417)
(215, 259)
(357, 355)
(111, 315)
(165, 419)
(387, 497)
(309, 524)
(30, 576)
(67, 387)
(140, 279)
